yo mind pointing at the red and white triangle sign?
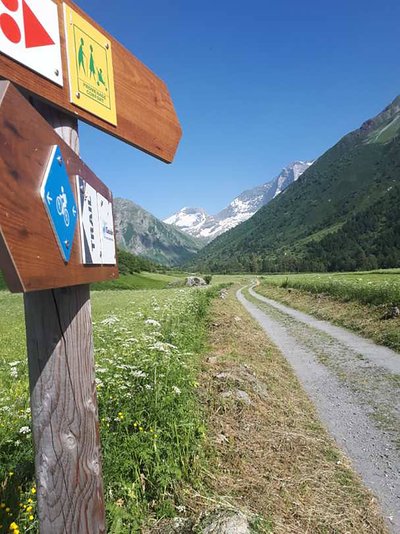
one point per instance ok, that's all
(35, 33)
(29, 34)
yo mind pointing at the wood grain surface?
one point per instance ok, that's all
(64, 411)
(29, 255)
(145, 113)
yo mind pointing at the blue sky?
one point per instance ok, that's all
(256, 85)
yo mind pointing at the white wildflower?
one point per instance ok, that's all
(176, 390)
(112, 319)
(24, 430)
(152, 322)
(14, 372)
(161, 347)
(139, 374)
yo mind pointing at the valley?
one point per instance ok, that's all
(262, 393)
(342, 214)
(199, 267)
(337, 213)
(176, 350)
(209, 384)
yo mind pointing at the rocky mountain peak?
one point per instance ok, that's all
(196, 222)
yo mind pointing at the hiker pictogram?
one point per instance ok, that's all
(81, 56)
(100, 79)
(90, 67)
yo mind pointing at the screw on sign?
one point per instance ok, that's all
(57, 232)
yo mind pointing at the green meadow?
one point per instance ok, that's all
(147, 348)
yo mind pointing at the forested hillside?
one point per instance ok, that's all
(342, 213)
(142, 234)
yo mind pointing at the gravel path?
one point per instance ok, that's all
(355, 386)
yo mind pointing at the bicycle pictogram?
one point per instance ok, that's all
(61, 203)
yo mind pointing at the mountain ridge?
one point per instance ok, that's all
(313, 225)
(197, 223)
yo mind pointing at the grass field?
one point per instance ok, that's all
(149, 347)
(360, 301)
(147, 354)
(373, 287)
(140, 281)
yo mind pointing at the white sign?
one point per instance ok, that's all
(29, 33)
(107, 233)
(97, 226)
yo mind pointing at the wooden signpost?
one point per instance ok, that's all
(145, 115)
(56, 225)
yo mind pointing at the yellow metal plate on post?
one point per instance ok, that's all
(90, 67)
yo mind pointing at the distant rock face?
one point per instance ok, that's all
(139, 232)
(197, 223)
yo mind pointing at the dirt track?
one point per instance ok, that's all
(355, 386)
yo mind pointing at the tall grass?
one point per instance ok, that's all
(147, 346)
(375, 288)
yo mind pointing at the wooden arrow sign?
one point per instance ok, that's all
(55, 51)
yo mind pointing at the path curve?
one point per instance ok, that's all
(355, 386)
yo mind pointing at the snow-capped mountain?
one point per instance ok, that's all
(196, 222)
(189, 220)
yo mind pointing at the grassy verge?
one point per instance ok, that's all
(365, 319)
(372, 287)
(139, 281)
(147, 357)
(271, 454)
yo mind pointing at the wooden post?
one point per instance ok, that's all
(63, 396)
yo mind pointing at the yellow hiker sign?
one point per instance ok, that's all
(91, 75)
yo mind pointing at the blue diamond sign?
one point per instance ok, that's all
(59, 201)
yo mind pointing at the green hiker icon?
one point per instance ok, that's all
(82, 56)
(92, 69)
(100, 79)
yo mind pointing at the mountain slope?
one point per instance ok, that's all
(143, 234)
(196, 222)
(358, 176)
